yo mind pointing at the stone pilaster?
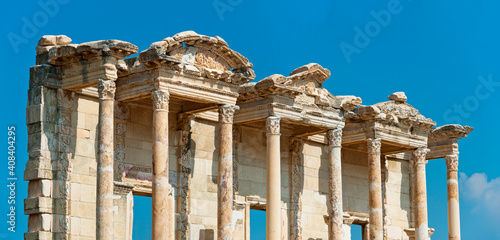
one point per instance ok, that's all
(225, 173)
(421, 227)
(346, 228)
(375, 186)
(161, 187)
(273, 183)
(184, 123)
(453, 202)
(296, 186)
(105, 158)
(335, 209)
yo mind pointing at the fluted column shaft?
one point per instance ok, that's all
(421, 224)
(453, 202)
(225, 173)
(273, 184)
(335, 208)
(375, 188)
(160, 191)
(105, 158)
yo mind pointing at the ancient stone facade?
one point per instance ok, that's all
(184, 123)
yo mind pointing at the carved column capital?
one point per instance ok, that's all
(106, 89)
(334, 137)
(273, 125)
(160, 99)
(419, 155)
(374, 145)
(451, 162)
(226, 113)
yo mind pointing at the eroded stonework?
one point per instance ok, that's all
(184, 124)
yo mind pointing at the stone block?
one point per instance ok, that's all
(87, 227)
(75, 191)
(39, 188)
(88, 193)
(75, 226)
(40, 222)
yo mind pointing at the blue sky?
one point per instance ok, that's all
(443, 54)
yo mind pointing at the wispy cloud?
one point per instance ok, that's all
(484, 194)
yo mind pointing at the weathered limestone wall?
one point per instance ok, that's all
(315, 193)
(355, 181)
(203, 199)
(84, 165)
(397, 198)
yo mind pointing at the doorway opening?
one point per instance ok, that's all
(142, 218)
(356, 232)
(257, 224)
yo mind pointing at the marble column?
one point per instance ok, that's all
(375, 186)
(105, 157)
(160, 191)
(335, 209)
(453, 203)
(421, 228)
(225, 173)
(273, 184)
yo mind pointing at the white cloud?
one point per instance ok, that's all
(483, 194)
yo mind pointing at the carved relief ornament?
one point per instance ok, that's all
(106, 89)
(419, 155)
(374, 145)
(334, 137)
(226, 113)
(160, 99)
(273, 125)
(451, 162)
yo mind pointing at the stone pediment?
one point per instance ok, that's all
(199, 55)
(396, 111)
(304, 85)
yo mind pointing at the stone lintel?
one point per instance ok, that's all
(292, 113)
(180, 86)
(355, 132)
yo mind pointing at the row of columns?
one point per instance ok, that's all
(161, 187)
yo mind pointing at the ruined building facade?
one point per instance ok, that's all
(184, 123)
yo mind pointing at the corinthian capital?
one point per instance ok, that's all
(273, 125)
(160, 99)
(106, 89)
(374, 145)
(451, 162)
(334, 137)
(420, 154)
(226, 113)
